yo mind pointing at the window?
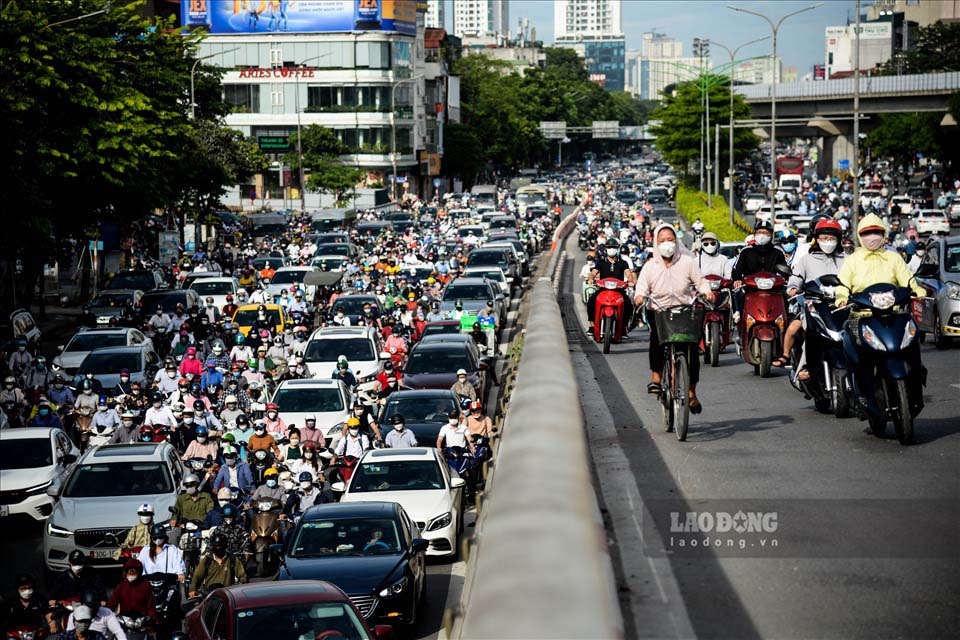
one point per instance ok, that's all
(276, 98)
(209, 614)
(243, 98)
(321, 98)
(276, 57)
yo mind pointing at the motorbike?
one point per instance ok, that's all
(464, 463)
(166, 599)
(762, 321)
(100, 436)
(259, 462)
(27, 632)
(609, 323)
(877, 341)
(343, 469)
(583, 241)
(265, 530)
(137, 627)
(191, 543)
(483, 452)
(716, 322)
(823, 338)
(586, 290)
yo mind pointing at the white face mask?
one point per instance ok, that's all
(398, 427)
(710, 249)
(453, 422)
(224, 503)
(131, 578)
(272, 415)
(612, 252)
(187, 419)
(76, 568)
(827, 246)
(762, 239)
(128, 423)
(171, 374)
(191, 490)
(354, 432)
(146, 519)
(305, 485)
(667, 249)
(921, 252)
(26, 594)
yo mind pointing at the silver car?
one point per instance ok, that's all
(86, 340)
(100, 497)
(939, 273)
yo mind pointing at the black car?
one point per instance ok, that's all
(168, 300)
(352, 305)
(371, 550)
(112, 303)
(424, 412)
(142, 279)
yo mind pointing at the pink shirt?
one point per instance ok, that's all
(670, 285)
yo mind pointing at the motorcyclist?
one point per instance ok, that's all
(304, 497)
(273, 422)
(400, 437)
(28, 608)
(217, 567)
(46, 416)
(761, 256)
(133, 596)
(270, 488)
(80, 577)
(201, 446)
(83, 617)
(127, 431)
(104, 620)
(463, 388)
(105, 418)
(234, 474)
(159, 414)
(139, 534)
(232, 527)
(161, 557)
(477, 422)
(368, 425)
(454, 433)
(612, 266)
(192, 504)
(666, 279)
(710, 260)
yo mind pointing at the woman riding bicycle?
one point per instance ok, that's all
(666, 279)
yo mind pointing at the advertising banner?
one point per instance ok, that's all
(300, 16)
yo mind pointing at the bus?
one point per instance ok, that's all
(485, 194)
(790, 172)
(533, 195)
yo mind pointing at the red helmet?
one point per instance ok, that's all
(272, 407)
(829, 225)
(310, 444)
(475, 406)
(146, 431)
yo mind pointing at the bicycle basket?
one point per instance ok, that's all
(680, 324)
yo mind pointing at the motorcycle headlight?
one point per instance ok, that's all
(871, 338)
(909, 333)
(40, 488)
(395, 589)
(58, 532)
(439, 522)
(953, 290)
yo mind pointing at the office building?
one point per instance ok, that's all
(472, 18)
(657, 74)
(436, 15)
(759, 71)
(659, 45)
(923, 12)
(594, 28)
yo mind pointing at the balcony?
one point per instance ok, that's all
(342, 108)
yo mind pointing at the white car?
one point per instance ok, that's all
(31, 460)
(217, 288)
(328, 262)
(359, 345)
(421, 482)
(754, 201)
(932, 221)
(783, 220)
(86, 340)
(327, 399)
(286, 276)
(906, 206)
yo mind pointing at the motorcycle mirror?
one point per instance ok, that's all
(830, 280)
(384, 355)
(339, 487)
(456, 483)
(68, 458)
(419, 544)
(277, 549)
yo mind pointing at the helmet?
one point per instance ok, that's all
(190, 479)
(270, 472)
(475, 406)
(396, 419)
(231, 399)
(77, 557)
(133, 564)
(272, 407)
(353, 422)
(202, 431)
(198, 405)
(828, 225)
(91, 599)
(158, 531)
(763, 225)
(146, 433)
(146, 509)
(309, 445)
(228, 511)
(305, 476)
(612, 243)
(218, 540)
(242, 419)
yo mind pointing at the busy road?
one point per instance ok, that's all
(853, 558)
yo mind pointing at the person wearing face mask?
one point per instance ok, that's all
(304, 497)
(159, 415)
(38, 375)
(123, 387)
(611, 266)
(353, 443)
(917, 258)
(192, 504)
(69, 584)
(28, 608)
(104, 619)
(106, 418)
(215, 517)
(343, 373)
(217, 567)
(262, 440)
(234, 474)
(86, 399)
(83, 618)
(463, 387)
(871, 263)
(292, 450)
(788, 244)
(455, 433)
(667, 279)
(127, 431)
(309, 432)
(59, 393)
(20, 360)
(234, 530)
(762, 256)
(231, 410)
(400, 437)
(823, 258)
(201, 446)
(710, 260)
(274, 423)
(191, 364)
(139, 534)
(167, 379)
(368, 425)
(270, 488)
(46, 417)
(133, 595)
(160, 556)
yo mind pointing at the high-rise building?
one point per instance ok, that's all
(923, 12)
(594, 28)
(481, 18)
(759, 71)
(658, 45)
(436, 14)
(631, 76)
(656, 74)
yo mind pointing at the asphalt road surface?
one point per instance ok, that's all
(849, 535)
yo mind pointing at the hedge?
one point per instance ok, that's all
(693, 204)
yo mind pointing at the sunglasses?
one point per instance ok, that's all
(709, 244)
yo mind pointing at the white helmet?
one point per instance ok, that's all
(146, 509)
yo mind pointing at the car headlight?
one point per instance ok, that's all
(40, 488)
(366, 379)
(439, 522)
(953, 290)
(335, 429)
(58, 532)
(909, 332)
(395, 589)
(871, 338)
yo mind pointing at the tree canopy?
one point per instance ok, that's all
(321, 149)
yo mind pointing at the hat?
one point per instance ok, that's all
(191, 351)
(710, 235)
(82, 612)
(871, 222)
(397, 419)
(134, 564)
(146, 507)
(124, 372)
(461, 372)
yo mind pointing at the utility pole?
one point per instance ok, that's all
(855, 219)
(698, 53)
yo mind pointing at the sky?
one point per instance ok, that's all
(800, 42)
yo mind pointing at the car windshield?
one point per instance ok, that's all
(463, 232)
(420, 409)
(486, 258)
(492, 274)
(111, 362)
(288, 277)
(313, 400)
(406, 475)
(221, 288)
(329, 350)
(729, 250)
(352, 306)
(119, 479)
(90, 341)
(111, 299)
(440, 329)
(143, 281)
(467, 292)
(438, 361)
(348, 537)
(951, 263)
(247, 317)
(298, 621)
(26, 453)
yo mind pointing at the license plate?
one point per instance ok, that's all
(102, 554)
(4, 511)
(103, 320)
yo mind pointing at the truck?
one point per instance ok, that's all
(790, 172)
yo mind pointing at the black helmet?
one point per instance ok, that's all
(242, 419)
(612, 243)
(453, 413)
(218, 541)
(763, 225)
(156, 396)
(90, 598)
(158, 531)
(396, 419)
(77, 557)
(228, 511)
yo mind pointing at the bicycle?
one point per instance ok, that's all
(679, 329)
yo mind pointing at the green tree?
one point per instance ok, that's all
(321, 149)
(935, 48)
(678, 134)
(465, 157)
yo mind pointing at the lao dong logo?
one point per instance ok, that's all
(723, 522)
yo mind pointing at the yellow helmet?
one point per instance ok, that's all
(270, 472)
(353, 422)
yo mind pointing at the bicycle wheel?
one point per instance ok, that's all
(666, 401)
(681, 397)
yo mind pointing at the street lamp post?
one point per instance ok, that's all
(775, 28)
(296, 101)
(393, 131)
(193, 72)
(733, 55)
(855, 220)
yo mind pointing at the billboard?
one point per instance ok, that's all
(300, 16)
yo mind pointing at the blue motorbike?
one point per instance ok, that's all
(464, 463)
(886, 377)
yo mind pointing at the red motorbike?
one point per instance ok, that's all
(608, 320)
(762, 321)
(716, 322)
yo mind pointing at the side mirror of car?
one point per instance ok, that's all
(383, 632)
(61, 347)
(339, 487)
(385, 355)
(456, 483)
(277, 549)
(54, 490)
(419, 545)
(67, 458)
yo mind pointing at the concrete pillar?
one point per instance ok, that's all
(833, 149)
